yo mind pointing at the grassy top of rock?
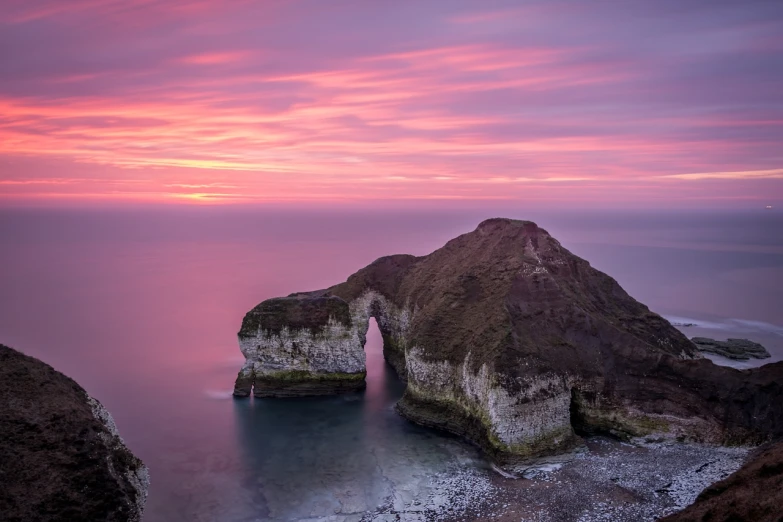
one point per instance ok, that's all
(310, 311)
(515, 298)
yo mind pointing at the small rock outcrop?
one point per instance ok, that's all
(61, 458)
(511, 341)
(754, 492)
(737, 349)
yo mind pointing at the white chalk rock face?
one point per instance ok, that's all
(522, 418)
(309, 344)
(139, 476)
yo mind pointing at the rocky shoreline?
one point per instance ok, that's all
(754, 492)
(609, 481)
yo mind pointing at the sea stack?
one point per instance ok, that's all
(508, 339)
(61, 457)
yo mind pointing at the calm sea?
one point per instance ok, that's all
(141, 307)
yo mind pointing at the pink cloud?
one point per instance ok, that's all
(193, 102)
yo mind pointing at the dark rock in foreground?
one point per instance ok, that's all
(61, 458)
(755, 492)
(509, 340)
(737, 349)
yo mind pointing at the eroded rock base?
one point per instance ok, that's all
(446, 416)
(308, 385)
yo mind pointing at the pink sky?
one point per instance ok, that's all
(616, 103)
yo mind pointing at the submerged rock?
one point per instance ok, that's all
(754, 492)
(511, 341)
(738, 349)
(61, 458)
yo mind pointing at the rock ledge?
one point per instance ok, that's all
(737, 349)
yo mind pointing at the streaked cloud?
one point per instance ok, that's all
(747, 174)
(306, 100)
(217, 58)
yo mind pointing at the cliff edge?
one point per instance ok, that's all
(61, 458)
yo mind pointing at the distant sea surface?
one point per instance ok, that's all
(142, 307)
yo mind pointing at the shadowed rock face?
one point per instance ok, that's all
(61, 458)
(511, 341)
(754, 492)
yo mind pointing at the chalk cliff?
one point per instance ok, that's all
(61, 457)
(511, 341)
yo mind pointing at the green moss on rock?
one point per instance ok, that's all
(462, 418)
(302, 383)
(303, 375)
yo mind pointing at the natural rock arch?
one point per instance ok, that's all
(508, 339)
(313, 344)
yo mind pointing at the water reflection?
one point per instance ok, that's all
(312, 457)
